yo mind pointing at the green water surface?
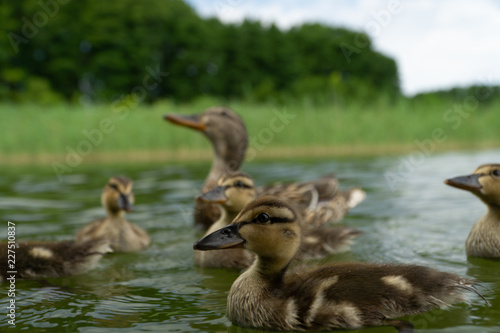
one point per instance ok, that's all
(413, 218)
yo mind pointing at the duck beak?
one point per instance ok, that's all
(216, 195)
(468, 183)
(225, 238)
(124, 202)
(191, 121)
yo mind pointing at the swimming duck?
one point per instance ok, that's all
(228, 135)
(271, 296)
(117, 198)
(233, 192)
(484, 238)
(51, 259)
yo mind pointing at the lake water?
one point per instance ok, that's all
(409, 216)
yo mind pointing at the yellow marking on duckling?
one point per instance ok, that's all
(41, 252)
(311, 240)
(291, 313)
(350, 313)
(319, 299)
(398, 282)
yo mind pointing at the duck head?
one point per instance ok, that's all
(266, 226)
(233, 192)
(224, 128)
(117, 196)
(483, 182)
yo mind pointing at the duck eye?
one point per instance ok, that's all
(239, 183)
(224, 113)
(263, 218)
(495, 173)
(113, 186)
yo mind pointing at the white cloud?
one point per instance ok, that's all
(436, 44)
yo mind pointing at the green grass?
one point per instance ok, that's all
(33, 131)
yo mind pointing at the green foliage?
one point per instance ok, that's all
(98, 51)
(391, 126)
(484, 94)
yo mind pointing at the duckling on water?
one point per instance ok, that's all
(228, 135)
(484, 182)
(233, 192)
(350, 295)
(51, 259)
(117, 198)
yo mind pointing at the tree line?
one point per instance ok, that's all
(95, 51)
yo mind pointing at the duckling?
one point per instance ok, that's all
(484, 238)
(228, 135)
(51, 259)
(233, 192)
(271, 296)
(117, 198)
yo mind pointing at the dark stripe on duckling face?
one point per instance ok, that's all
(266, 210)
(124, 201)
(240, 184)
(264, 218)
(236, 179)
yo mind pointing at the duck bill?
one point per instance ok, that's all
(124, 202)
(225, 238)
(191, 121)
(216, 195)
(468, 183)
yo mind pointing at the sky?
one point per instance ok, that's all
(437, 44)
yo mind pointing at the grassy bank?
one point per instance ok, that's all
(106, 133)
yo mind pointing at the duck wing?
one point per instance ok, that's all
(318, 242)
(355, 295)
(321, 200)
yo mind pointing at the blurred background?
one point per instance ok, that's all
(362, 76)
